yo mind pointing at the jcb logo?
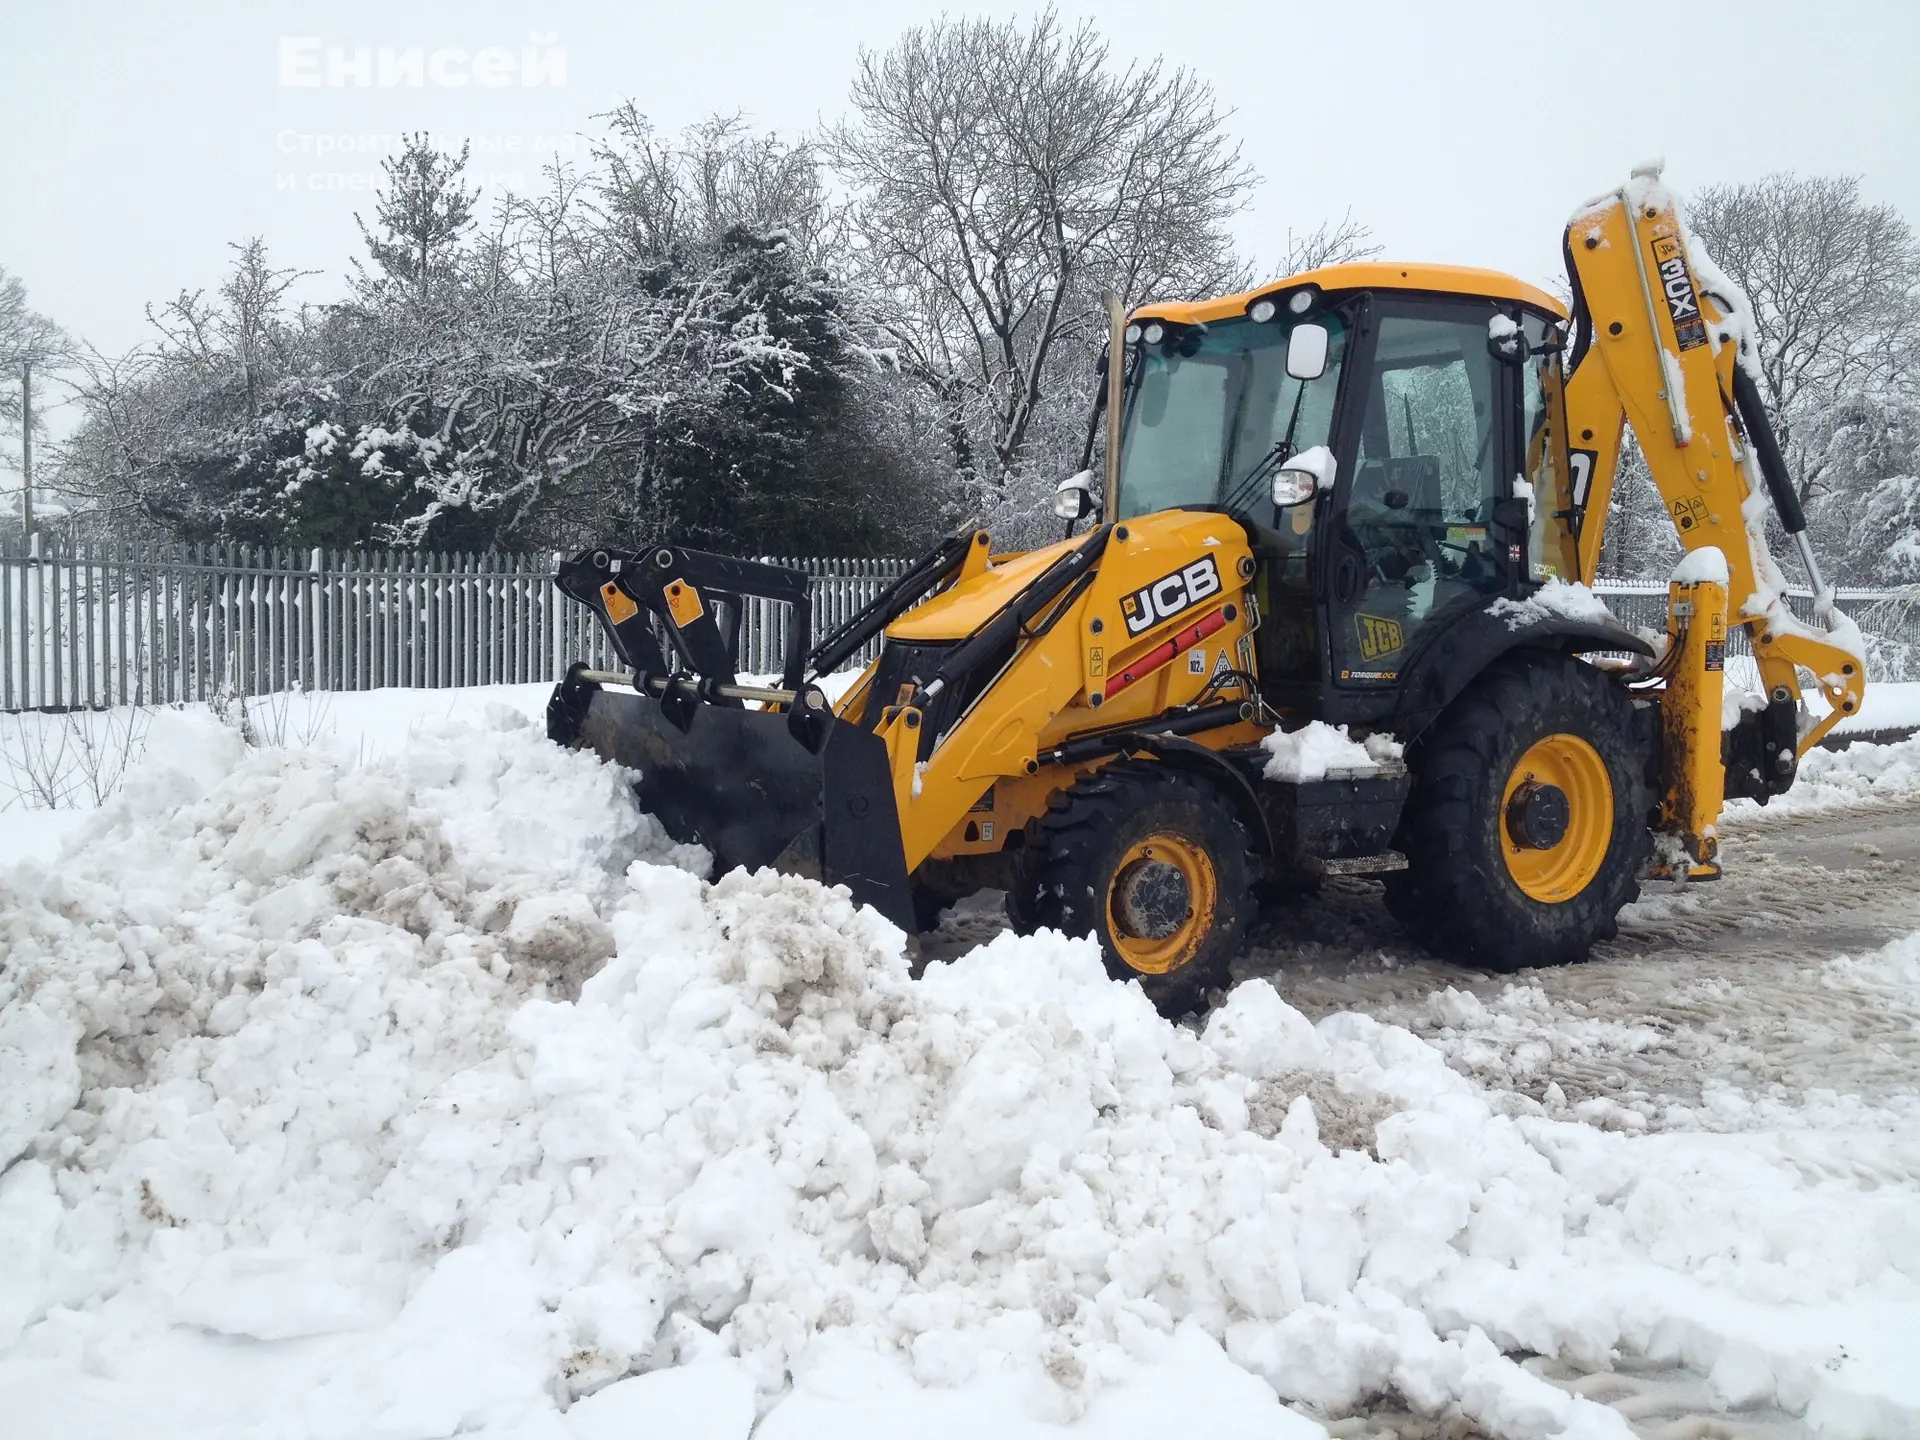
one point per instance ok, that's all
(1170, 594)
(1689, 327)
(1378, 636)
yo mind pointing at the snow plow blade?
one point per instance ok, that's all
(755, 787)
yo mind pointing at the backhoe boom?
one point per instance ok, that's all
(1656, 348)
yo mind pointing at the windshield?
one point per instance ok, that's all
(1209, 404)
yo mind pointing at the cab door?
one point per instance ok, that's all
(1416, 537)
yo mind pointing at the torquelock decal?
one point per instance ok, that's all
(1166, 597)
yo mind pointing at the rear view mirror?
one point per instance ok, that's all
(1292, 487)
(1307, 351)
(1506, 342)
(1304, 476)
(1073, 497)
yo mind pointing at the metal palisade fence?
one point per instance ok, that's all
(88, 626)
(97, 625)
(1889, 620)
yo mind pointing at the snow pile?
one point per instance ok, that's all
(1830, 779)
(1565, 599)
(422, 1097)
(1318, 750)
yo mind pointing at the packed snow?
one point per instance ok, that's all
(1707, 565)
(1317, 750)
(1557, 598)
(435, 1093)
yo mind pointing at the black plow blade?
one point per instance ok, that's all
(740, 783)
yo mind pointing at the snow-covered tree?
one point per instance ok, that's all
(1003, 174)
(600, 364)
(25, 335)
(1834, 280)
(421, 217)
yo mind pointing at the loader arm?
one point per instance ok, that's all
(1657, 349)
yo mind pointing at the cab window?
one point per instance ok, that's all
(1418, 533)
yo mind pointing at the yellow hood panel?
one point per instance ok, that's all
(955, 614)
(1155, 545)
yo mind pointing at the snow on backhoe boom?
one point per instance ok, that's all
(1329, 620)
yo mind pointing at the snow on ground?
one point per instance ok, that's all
(427, 1092)
(1829, 779)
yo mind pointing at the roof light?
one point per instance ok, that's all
(1301, 301)
(1133, 335)
(1262, 311)
(1156, 332)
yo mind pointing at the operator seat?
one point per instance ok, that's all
(1394, 512)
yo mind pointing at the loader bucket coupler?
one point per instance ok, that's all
(740, 783)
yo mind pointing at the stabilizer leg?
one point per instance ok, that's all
(1694, 778)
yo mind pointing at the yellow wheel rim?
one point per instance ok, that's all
(1160, 903)
(1581, 828)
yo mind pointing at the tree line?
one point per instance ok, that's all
(846, 343)
(849, 343)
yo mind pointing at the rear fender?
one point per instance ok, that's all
(1218, 771)
(1457, 656)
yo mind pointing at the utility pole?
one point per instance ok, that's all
(26, 450)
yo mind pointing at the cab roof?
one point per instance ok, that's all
(1364, 275)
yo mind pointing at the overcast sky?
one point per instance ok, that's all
(140, 140)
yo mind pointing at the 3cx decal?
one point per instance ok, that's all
(1170, 594)
(1670, 257)
(1581, 462)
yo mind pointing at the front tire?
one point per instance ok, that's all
(1527, 826)
(1153, 863)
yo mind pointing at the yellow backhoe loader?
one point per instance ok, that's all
(1367, 496)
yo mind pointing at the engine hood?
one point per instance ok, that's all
(956, 613)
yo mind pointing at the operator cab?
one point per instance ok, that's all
(1378, 485)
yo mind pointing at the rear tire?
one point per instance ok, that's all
(1153, 863)
(1527, 826)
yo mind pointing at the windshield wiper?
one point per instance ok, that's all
(1277, 455)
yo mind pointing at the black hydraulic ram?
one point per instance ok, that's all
(962, 673)
(1773, 465)
(935, 568)
(1760, 756)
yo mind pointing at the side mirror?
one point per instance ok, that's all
(1073, 497)
(1307, 351)
(1304, 476)
(1506, 342)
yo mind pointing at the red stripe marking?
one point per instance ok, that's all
(1163, 653)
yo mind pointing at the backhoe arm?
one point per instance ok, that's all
(1657, 349)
